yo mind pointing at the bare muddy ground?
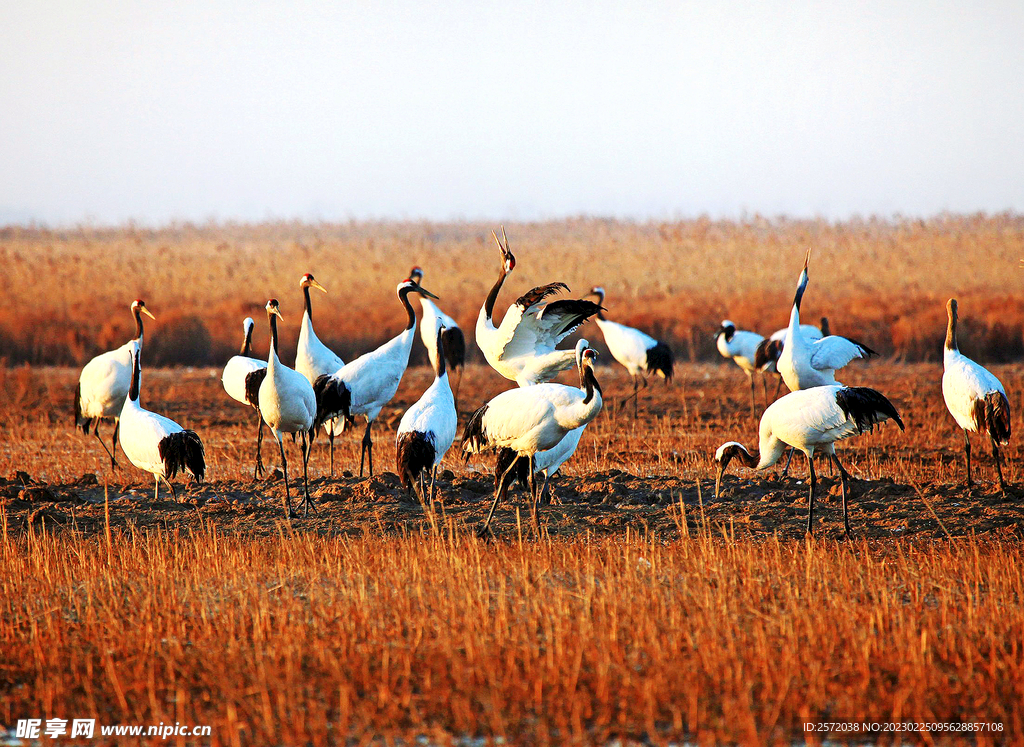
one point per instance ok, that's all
(652, 473)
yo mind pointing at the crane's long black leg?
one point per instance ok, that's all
(174, 494)
(545, 495)
(843, 477)
(258, 469)
(113, 441)
(156, 489)
(810, 507)
(284, 468)
(307, 447)
(753, 404)
(999, 466)
(764, 382)
(533, 494)
(785, 470)
(330, 440)
(433, 486)
(369, 446)
(367, 449)
(96, 432)
(484, 530)
(967, 453)
(636, 396)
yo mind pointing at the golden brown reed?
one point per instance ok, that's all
(883, 282)
(304, 639)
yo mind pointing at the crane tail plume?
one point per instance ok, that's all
(333, 398)
(414, 454)
(659, 359)
(183, 451)
(474, 437)
(253, 380)
(992, 416)
(503, 462)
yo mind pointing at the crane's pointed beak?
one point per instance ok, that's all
(317, 285)
(420, 289)
(807, 258)
(147, 312)
(277, 313)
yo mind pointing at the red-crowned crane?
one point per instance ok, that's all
(974, 397)
(766, 357)
(288, 405)
(313, 359)
(532, 419)
(427, 429)
(637, 351)
(806, 420)
(740, 346)
(522, 348)
(454, 340)
(104, 383)
(545, 463)
(154, 443)
(804, 364)
(365, 385)
(242, 377)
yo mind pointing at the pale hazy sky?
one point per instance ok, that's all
(157, 111)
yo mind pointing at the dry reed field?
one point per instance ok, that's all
(641, 609)
(881, 281)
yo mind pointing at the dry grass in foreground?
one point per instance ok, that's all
(313, 640)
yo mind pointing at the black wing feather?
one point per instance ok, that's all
(866, 406)
(536, 295)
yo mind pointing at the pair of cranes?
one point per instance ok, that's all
(109, 388)
(819, 411)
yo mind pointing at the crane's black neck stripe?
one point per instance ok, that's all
(492, 296)
(138, 322)
(309, 305)
(800, 290)
(440, 367)
(133, 389)
(247, 344)
(403, 295)
(273, 333)
(951, 343)
(590, 383)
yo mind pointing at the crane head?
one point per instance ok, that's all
(416, 274)
(725, 454)
(140, 306)
(248, 324)
(951, 308)
(508, 260)
(411, 286)
(308, 281)
(728, 329)
(274, 309)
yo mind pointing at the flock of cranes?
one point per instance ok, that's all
(535, 427)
